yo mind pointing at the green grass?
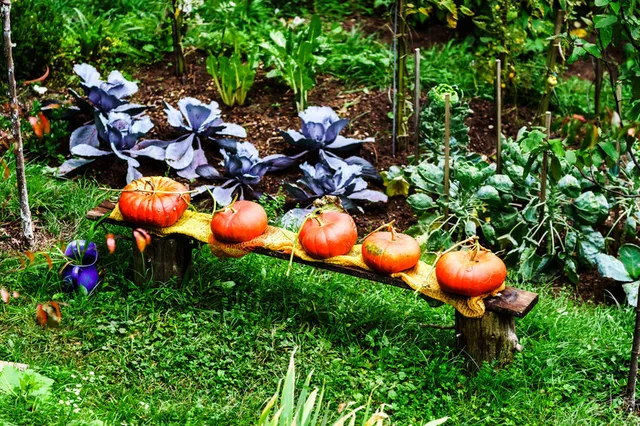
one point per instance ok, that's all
(213, 351)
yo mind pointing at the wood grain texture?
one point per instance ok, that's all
(490, 338)
(511, 301)
(165, 259)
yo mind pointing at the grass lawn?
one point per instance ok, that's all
(213, 351)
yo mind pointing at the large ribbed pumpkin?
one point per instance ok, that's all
(390, 252)
(470, 272)
(240, 222)
(328, 234)
(154, 201)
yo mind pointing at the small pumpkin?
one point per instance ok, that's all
(154, 201)
(328, 234)
(239, 222)
(470, 272)
(389, 252)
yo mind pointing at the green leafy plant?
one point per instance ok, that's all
(432, 118)
(293, 58)
(27, 387)
(284, 410)
(615, 24)
(233, 78)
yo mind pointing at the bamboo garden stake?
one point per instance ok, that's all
(498, 116)
(416, 107)
(545, 166)
(447, 135)
(23, 196)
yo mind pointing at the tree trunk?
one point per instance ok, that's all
(598, 94)
(491, 338)
(165, 259)
(23, 196)
(176, 30)
(552, 56)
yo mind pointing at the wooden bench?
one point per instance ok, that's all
(490, 338)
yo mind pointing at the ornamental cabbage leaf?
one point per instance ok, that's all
(197, 122)
(243, 169)
(320, 132)
(332, 176)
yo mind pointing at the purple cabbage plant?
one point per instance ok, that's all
(243, 170)
(320, 132)
(104, 96)
(197, 122)
(116, 125)
(332, 176)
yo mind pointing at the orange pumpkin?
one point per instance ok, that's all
(470, 272)
(328, 234)
(390, 252)
(154, 201)
(239, 222)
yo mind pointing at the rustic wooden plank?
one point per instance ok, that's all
(511, 301)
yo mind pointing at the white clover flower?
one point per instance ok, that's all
(187, 6)
(41, 90)
(296, 22)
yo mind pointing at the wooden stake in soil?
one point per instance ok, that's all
(633, 368)
(401, 68)
(23, 196)
(498, 116)
(416, 107)
(545, 165)
(447, 135)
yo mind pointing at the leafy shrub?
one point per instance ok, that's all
(293, 57)
(36, 40)
(432, 118)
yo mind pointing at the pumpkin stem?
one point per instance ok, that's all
(394, 236)
(476, 249)
(389, 226)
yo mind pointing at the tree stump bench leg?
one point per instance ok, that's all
(163, 260)
(490, 338)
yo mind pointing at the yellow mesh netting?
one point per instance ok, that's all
(421, 278)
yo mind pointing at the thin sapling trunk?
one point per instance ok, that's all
(23, 196)
(552, 56)
(416, 107)
(633, 369)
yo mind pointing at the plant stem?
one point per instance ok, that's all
(176, 32)
(498, 116)
(23, 195)
(552, 55)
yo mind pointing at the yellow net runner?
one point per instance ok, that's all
(421, 278)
